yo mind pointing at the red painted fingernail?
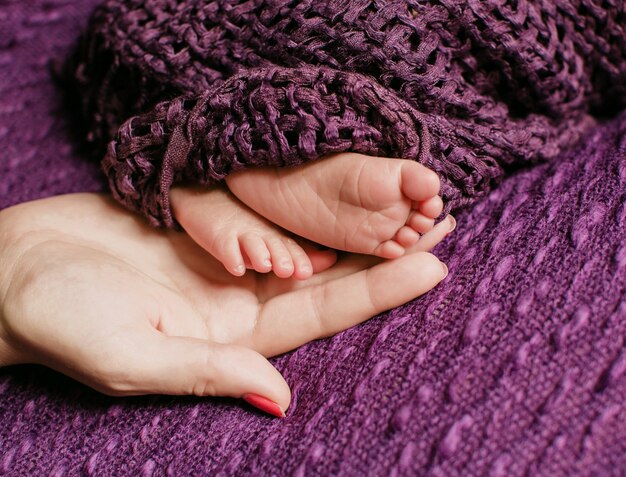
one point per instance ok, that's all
(264, 404)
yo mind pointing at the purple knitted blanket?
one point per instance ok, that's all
(467, 87)
(514, 365)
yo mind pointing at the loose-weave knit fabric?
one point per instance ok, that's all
(515, 365)
(470, 88)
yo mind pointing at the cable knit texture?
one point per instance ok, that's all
(515, 365)
(193, 90)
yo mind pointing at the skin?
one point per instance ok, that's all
(88, 290)
(346, 201)
(240, 238)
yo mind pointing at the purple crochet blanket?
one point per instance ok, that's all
(514, 365)
(467, 87)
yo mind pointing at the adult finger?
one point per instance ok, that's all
(191, 366)
(352, 263)
(292, 319)
(429, 240)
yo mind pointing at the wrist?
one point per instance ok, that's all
(8, 257)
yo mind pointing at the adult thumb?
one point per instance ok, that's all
(182, 365)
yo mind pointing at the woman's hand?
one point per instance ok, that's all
(87, 289)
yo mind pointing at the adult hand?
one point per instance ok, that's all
(88, 290)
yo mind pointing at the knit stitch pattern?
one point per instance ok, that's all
(38, 157)
(514, 365)
(265, 82)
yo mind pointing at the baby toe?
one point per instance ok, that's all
(420, 223)
(418, 182)
(302, 267)
(432, 207)
(320, 259)
(282, 264)
(229, 253)
(406, 236)
(389, 249)
(257, 252)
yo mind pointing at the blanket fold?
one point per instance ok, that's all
(470, 89)
(262, 117)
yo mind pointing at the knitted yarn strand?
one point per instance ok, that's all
(469, 88)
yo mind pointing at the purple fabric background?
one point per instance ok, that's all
(36, 148)
(515, 365)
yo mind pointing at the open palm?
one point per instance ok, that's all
(90, 291)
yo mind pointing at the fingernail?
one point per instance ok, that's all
(264, 404)
(240, 269)
(267, 262)
(445, 269)
(453, 223)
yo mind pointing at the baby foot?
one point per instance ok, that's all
(347, 201)
(240, 238)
